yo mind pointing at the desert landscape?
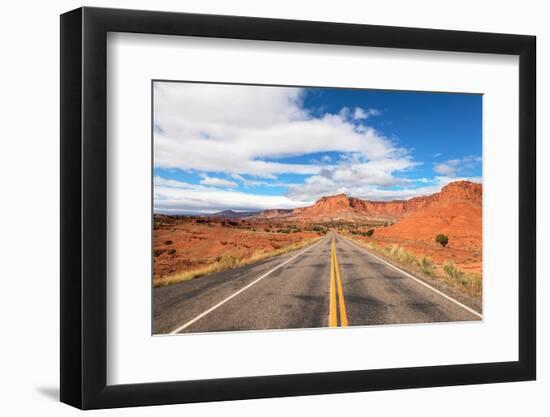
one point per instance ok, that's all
(188, 247)
(404, 231)
(279, 207)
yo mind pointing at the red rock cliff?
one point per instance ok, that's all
(343, 206)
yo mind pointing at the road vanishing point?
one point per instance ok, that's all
(331, 283)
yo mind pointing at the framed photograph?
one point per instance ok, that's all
(256, 208)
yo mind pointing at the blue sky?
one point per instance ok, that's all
(236, 147)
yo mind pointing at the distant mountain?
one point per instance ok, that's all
(230, 214)
(347, 208)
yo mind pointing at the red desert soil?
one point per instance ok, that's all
(455, 211)
(417, 234)
(187, 243)
(460, 221)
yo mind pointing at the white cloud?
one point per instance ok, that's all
(316, 187)
(362, 114)
(163, 182)
(353, 176)
(447, 168)
(357, 113)
(242, 129)
(179, 197)
(406, 193)
(260, 183)
(171, 196)
(453, 167)
(218, 182)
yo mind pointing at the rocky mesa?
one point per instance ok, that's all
(348, 208)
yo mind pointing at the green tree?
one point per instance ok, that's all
(443, 240)
(370, 232)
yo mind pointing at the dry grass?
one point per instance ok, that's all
(223, 263)
(471, 282)
(457, 278)
(427, 266)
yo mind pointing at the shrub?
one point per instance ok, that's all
(171, 252)
(370, 232)
(443, 240)
(168, 242)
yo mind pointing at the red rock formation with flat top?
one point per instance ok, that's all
(343, 207)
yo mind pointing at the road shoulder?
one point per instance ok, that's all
(469, 301)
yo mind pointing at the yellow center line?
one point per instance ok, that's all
(333, 318)
(343, 314)
(336, 289)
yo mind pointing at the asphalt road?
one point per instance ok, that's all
(331, 283)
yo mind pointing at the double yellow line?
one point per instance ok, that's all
(336, 290)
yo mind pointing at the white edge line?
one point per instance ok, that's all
(211, 309)
(416, 279)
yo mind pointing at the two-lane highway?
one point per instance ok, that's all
(331, 283)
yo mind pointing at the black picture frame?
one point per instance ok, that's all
(84, 207)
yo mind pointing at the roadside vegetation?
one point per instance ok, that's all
(443, 240)
(368, 233)
(226, 262)
(466, 282)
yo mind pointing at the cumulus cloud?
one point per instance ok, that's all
(235, 137)
(358, 113)
(217, 182)
(447, 168)
(317, 187)
(261, 183)
(453, 167)
(362, 114)
(354, 176)
(244, 129)
(177, 197)
(171, 196)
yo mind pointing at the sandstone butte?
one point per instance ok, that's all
(456, 194)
